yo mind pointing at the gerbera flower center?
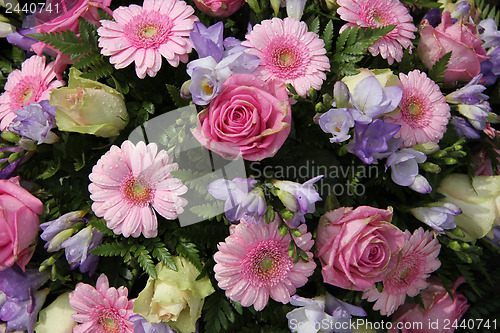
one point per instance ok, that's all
(405, 275)
(149, 30)
(414, 111)
(107, 322)
(137, 191)
(25, 93)
(267, 264)
(285, 58)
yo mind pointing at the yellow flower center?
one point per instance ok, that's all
(267, 264)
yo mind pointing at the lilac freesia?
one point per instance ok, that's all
(491, 68)
(20, 299)
(476, 114)
(438, 216)
(370, 100)
(52, 229)
(141, 325)
(464, 128)
(341, 94)
(208, 74)
(35, 122)
(404, 169)
(461, 9)
(433, 16)
(337, 122)
(305, 196)
(242, 199)
(78, 247)
(321, 313)
(471, 93)
(489, 33)
(8, 168)
(372, 140)
(208, 41)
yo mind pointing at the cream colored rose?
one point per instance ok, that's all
(479, 199)
(56, 318)
(384, 76)
(89, 107)
(175, 297)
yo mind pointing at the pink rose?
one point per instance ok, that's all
(18, 223)
(219, 8)
(461, 38)
(439, 314)
(249, 118)
(357, 247)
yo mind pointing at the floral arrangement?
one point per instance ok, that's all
(249, 166)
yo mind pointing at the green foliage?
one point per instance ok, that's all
(488, 11)
(189, 251)
(315, 25)
(352, 45)
(439, 68)
(218, 312)
(146, 262)
(422, 3)
(84, 50)
(175, 95)
(328, 36)
(207, 210)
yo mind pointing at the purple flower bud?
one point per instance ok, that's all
(433, 16)
(141, 325)
(471, 93)
(64, 222)
(404, 166)
(373, 139)
(461, 9)
(208, 41)
(341, 94)
(464, 128)
(35, 121)
(439, 216)
(476, 114)
(337, 122)
(295, 8)
(242, 199)
(421, 185)
(78, 247)
(489, 33)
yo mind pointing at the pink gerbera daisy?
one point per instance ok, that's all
(289, 53)
(128, 182)
(33, 83)
(145, 34)
(423, 112)
(253, 264)
(101, 309)
(418, 260)
(381, 13)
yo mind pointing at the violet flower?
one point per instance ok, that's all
(372, 139)
(208, 41)
(464, 128)
(433, 16)
(242, 199)
(476, 114)
(370, 100)
(21, 299)
(461, 9)
(404, 169)
(141, 325)
(321, 313)
(8, 168)
(489, 33)
(305, 196)
(471, 93)
(35, 121)
(78, 247)
(337, 122)
(52, 230)
(439, 216)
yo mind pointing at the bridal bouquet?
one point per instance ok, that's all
(249, 166)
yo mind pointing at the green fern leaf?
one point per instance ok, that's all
(100, 69)
(208, 210)
(439, 68)
(328, 35)
(218, 312)
(146, 263)
(101, 226)
(111, 249)
(88, 32)
(65, 41)
(314, 26)
(175, 94)
(163, 255)
(87, 60)
(190, 252)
